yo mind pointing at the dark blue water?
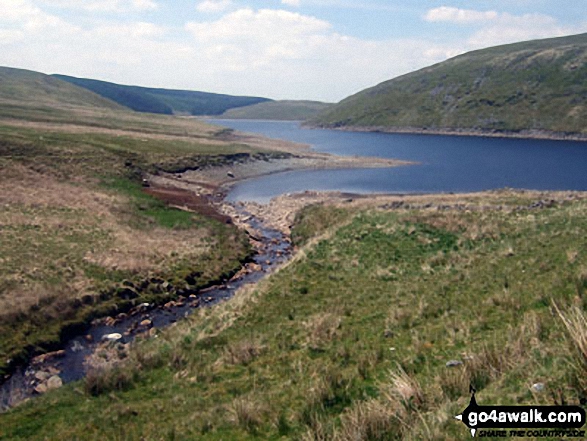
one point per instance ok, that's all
(447, 163)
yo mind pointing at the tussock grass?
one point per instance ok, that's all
(105, 378)
(322, 328)
(76, 224)
(243, 352)
(246, 413)
(575, 324)
(354, 352)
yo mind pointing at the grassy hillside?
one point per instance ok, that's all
(77, 227)
(24, 86)
(537, 85)
(278, 110)
(351, 341)
(164, 101)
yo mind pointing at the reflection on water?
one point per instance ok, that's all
(447, 163)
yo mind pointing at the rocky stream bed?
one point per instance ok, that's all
(71, 363)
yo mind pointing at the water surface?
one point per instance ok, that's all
(446, 163)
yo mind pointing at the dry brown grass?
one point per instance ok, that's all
(387, 417)
(206, 131)
(22, 186)
(83, 119)
(247, 413)
(371, 420)
(322, 328)
(575, 323)
(402, 389)
(55, 228)
(243, 352)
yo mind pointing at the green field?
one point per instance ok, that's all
(350, 341)
(532, 86)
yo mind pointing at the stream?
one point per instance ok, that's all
(69, 364)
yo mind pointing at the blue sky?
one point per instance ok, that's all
(283, 49)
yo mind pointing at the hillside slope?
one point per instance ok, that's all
(278, 110)
(75, 222)
(531, 86)
(24, 86)
(164, 101)
(375, 331)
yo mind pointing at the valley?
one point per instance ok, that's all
(141, 299)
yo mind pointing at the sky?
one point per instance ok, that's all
(282, 49)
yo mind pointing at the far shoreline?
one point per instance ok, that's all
(477, 133)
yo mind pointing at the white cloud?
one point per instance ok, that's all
(267, 52)
(104, 5)
(213, 6)
(494, 28)
(295, 3)
(144, 5)
(261, 28)
(22, 16)
(289, 55)
(137, 30)
(456, 15)
(510, 28)
(273, 53)
(8, 36)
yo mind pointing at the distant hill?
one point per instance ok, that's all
(532, 86)
(164, 101)
(25, 86)
(278, 110)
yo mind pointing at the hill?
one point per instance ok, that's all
(278, 110)
(531, 86)
(78, 223)
(164, 101)
(25, 86)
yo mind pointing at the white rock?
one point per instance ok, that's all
(537, 387)
(112, 337)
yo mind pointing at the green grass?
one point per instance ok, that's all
(278, 110)
(16, 85)
(102, 154)
(353, 337)
(164, 101)
(61, 285)
(76, 222)
(538, 85)
(146, 209)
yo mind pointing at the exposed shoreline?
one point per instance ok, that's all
(216, 181)
(479, 133)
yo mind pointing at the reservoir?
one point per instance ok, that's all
(446, 163)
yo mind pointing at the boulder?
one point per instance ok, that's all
(54, 382)
(146, 323)
(42, 375)
(41, 388)
(255, 267)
